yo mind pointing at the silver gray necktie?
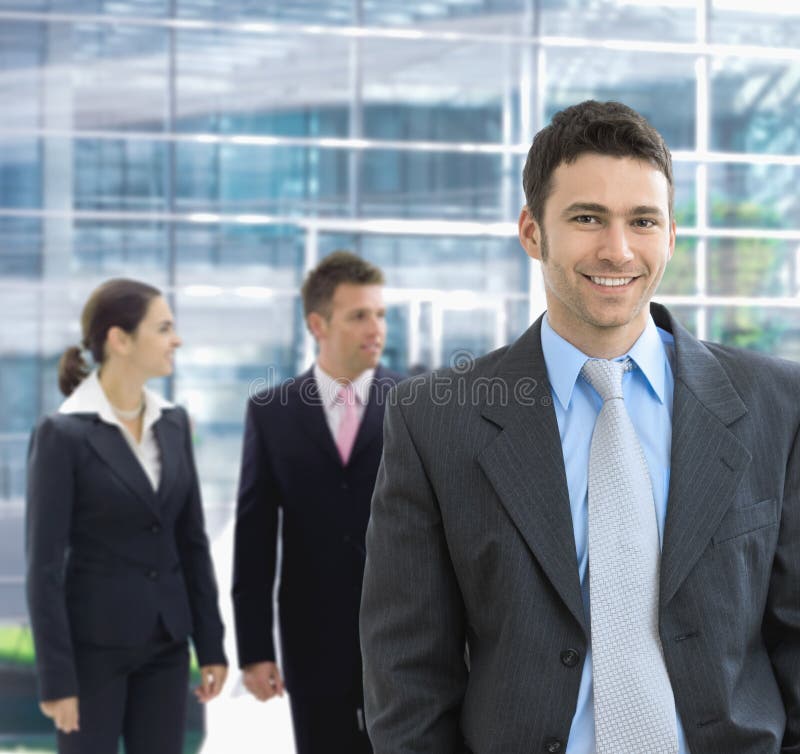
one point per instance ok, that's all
(634, 707)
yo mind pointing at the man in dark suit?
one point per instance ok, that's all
(607, 519)
(311, 449)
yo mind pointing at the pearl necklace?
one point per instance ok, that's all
(129, 416)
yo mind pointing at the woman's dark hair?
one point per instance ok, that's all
(116, 303)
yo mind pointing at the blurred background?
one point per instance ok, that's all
(219, 149)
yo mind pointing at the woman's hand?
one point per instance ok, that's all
(64, 713)
(212, 679)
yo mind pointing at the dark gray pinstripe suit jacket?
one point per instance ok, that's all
(471, 540)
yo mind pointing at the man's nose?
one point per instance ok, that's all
(616, 247)
(376, 324)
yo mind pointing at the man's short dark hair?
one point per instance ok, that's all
(336, 268)
(606, 128)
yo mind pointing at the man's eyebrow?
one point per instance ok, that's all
(597, 209)
(601, 209)
(645, 209)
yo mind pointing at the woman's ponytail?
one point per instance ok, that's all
(72, 369)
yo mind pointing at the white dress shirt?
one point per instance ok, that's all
(328, 389)
(89, 397)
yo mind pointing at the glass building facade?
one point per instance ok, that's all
(219, 149)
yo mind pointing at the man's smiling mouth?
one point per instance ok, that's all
(610, 282)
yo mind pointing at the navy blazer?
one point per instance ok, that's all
(108, 555)
(290, 461)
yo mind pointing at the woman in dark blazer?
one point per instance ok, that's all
(119, 570)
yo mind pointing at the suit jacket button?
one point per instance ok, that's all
(345, 486)
(155, 528)
(152, 575)
(570, 657)
(553, 746)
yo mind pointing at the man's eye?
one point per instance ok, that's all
(644, 222)
(585, 219)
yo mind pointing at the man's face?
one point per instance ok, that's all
(604, 243)
(351, 339)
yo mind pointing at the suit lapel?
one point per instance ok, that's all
(525, 465)
(311, 414)
(169, 437)
(372, 420)
(113, 449)
(707, 460)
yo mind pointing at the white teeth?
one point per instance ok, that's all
(610, 282)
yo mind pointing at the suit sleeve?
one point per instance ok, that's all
(782, 616)
(50, 500)
(412, 616)
(255, 547)
(198, 571)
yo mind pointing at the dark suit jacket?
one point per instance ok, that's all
(290, 461)
(471, 540)
(107, 555)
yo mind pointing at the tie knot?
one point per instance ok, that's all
(606, 376)
(346, 395)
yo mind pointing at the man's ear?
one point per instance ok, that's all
(317, 324)
(530, 235)
(673, 232)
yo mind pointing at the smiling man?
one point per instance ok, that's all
(604, 556)
(311, 450)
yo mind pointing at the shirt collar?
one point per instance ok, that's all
(328, 387)
(564, 362)
(89, 397)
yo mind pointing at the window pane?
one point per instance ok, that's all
(434, 185)
(772, 330)
(117, 75)
(649, 83)
(684, 175)
(490, 265)
(328, 12)
(231, 255)
(110, 249)
(753, 267)
(679, 276)
(494, 16)
(281, 84)
(20, 173)
(436, 90)
(755, 106)
(21, 46)
(611, 19)
(118, 174)
(20, 247)
(773, 24)
(754, 196)
(467, 335)
(687, 316)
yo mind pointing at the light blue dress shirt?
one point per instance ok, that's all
(648, 397)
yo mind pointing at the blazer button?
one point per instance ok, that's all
(570, 658)
(155, 528)
(553, 746)
(152, 575)
(345, 486)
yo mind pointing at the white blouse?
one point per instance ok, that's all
(89, 397)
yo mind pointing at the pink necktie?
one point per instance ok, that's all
(348, 426)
